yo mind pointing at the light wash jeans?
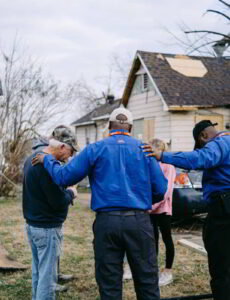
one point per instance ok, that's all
(46, 246)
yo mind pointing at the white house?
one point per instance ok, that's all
(167, 94)
(94, 126)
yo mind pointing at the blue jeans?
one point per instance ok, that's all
(45, 245)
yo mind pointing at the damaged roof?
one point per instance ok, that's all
(185, 80)
(98, 112)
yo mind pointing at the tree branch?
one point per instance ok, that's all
(219, 13)
(210, 32)
(225, 3)
(201, 46)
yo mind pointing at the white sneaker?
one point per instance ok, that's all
(165, 278)
(127, 273)
(60, 288)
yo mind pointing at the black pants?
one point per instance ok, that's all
(163, 222)
(116, 235)
(216, 236)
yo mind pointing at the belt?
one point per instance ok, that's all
(124, 213)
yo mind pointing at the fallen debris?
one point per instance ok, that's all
(192, 245)
(9, 264)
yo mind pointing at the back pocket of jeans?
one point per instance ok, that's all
(39, 236)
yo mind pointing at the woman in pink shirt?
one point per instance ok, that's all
(161, 216)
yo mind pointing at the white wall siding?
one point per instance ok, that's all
(92, 134)
(182, 124)
(101, 129)
(81, 135)
(80, 132)
(149, 105)
(223, 111)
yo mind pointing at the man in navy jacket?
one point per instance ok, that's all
(45, 208)
(124, 185)
(211, 154)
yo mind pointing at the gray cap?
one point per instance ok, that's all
(121, 111)
(63, 134)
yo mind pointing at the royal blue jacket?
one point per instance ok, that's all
(213, 158)
(120, 175)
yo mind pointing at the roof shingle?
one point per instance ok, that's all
(102, 110)
(213, 89)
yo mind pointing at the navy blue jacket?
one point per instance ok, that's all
(45, 204)
(120, 175)
(213, 158)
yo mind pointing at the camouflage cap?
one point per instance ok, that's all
(65, 135)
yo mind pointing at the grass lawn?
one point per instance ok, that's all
(190, 268)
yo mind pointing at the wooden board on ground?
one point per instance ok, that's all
(195, 243)
(9, 264)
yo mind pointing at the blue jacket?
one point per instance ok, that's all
(213, 158)
(120, 175)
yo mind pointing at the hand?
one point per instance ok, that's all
(73, 189)
(151, 152)
(38, 159)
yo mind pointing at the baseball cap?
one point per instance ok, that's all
(121, 111)
(65, 135)
(199, 127)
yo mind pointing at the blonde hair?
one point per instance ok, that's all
(158, 144)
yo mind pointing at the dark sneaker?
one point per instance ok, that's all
(65, 278)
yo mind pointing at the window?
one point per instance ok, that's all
(143, 129)
(142, 83)
(138, 129)
(145, 82)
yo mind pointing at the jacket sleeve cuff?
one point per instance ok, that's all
(162, 156)
(47, 158)
(166, 157)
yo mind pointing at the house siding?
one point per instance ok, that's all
(81, 136)
(223, 111)
(80, 133)
(148, 105)
(182, 124)
(101, 129)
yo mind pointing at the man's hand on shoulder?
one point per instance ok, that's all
(38, 159)
(151, 152)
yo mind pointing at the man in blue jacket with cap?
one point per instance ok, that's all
(124, 185)
(211, 154)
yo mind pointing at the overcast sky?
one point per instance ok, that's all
(75, 38)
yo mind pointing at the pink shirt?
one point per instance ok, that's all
(165, 206)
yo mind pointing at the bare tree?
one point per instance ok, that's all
(205, 41)
(120, 66)
(30, 100)
(112, 83)
(86, 96)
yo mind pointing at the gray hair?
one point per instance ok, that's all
(55, 144)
